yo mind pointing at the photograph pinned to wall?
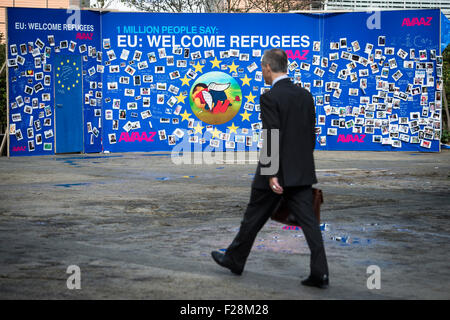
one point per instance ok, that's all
(31, 145)
(39, 139)
(48, 133)
(112, 138)
(72, 46)
(48, 146)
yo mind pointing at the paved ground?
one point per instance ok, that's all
(141, 227)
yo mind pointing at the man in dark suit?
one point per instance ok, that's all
(288, 117)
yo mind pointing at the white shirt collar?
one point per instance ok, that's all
(279, 78)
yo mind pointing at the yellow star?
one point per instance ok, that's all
(251, 97)
(185, 80)
(185, 115)
(245, 115)
(198, 67)
(233, 67)
(180, 98)
(215, 133)
(233, 128)
(245, 80)
(198, 128)
(215, 62)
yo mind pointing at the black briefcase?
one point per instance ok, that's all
(282, 214)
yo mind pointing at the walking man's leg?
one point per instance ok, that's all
(300, 203)
(259, 209)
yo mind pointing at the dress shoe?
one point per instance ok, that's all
(321, 283)
(225, 262)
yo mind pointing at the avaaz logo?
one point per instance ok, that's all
(351, 138)
(135, 136)
(297, 54)
(17, 149)
(84, 36)
(416, 21)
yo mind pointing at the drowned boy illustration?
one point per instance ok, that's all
(213, 97)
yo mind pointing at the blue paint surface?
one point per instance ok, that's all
(17, 82)
(69, 185)
(323, 28)
(68, 104)
(87, 157)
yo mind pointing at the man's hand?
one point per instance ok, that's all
(275, 186)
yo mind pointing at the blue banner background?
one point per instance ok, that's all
(17, 79)
(141, 112)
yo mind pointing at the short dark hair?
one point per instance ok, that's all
(276, 59)
(201, 85)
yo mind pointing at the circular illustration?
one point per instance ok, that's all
(215, 97)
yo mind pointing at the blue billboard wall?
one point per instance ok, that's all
(445, 32)
(387, 71)
(35, 38)
(175, 59)
(196, 78)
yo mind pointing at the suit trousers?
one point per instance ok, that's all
(260, 208)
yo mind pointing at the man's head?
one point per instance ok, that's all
(274, 64)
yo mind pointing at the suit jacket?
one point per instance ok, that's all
(290, 109)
